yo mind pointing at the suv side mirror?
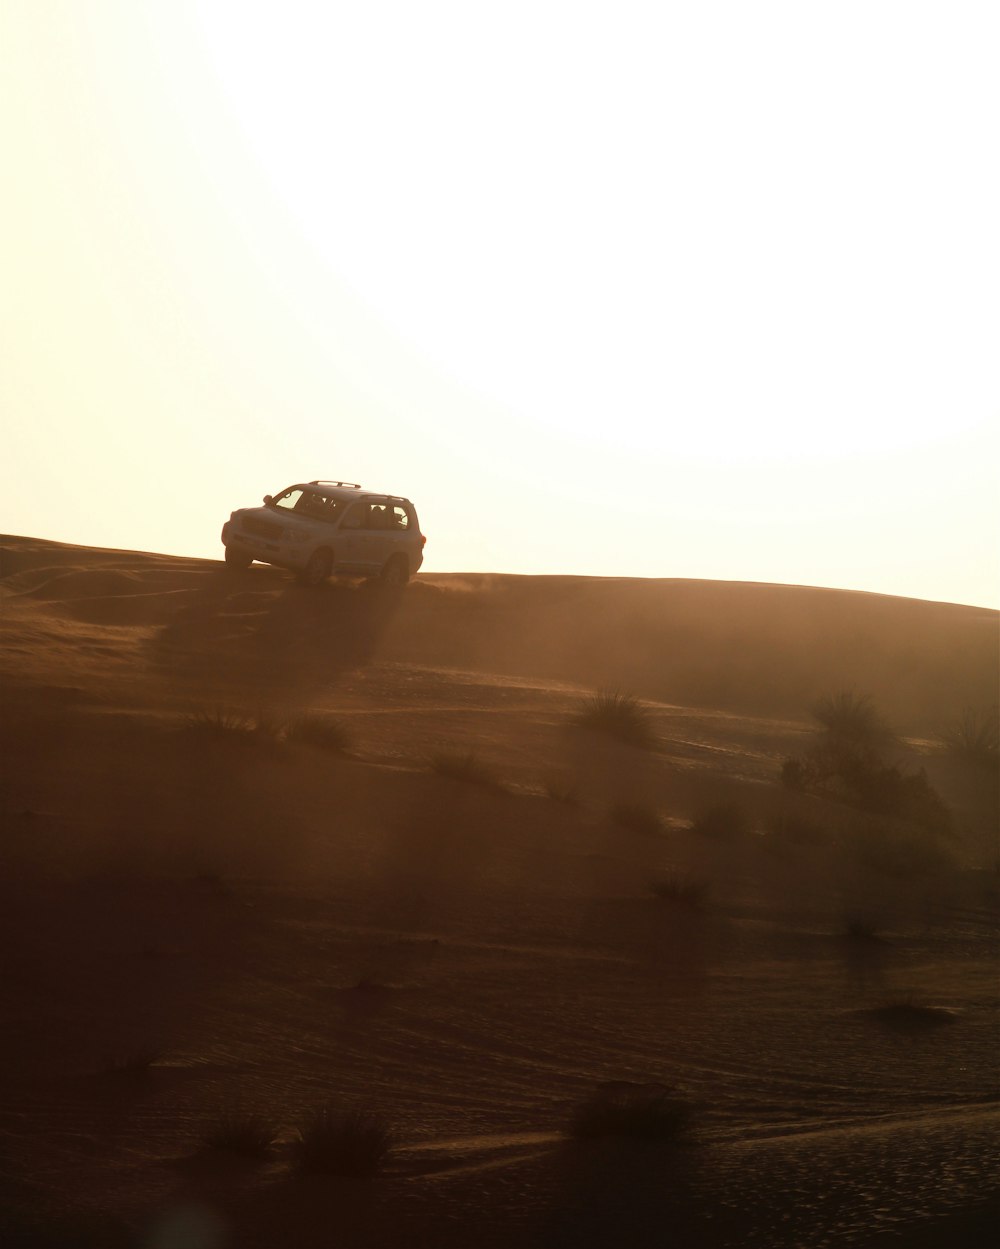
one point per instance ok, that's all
(268, 500)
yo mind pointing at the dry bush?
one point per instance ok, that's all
(795, 775)
(851, 740)
(219, 723)
(975, 737)
(850, 719)
(865, 781)
(681, 891)
(223, 725)
(467, 767)
(644, 1112)
(846, 764)
(888, 790)
(878, 788)
(245, 1134)
(637, 818)
(323, 732)
(618, 715)
(333, 1142)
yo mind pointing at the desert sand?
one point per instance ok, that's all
(198, 920)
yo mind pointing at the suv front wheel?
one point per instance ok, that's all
(318, 569)
(237, 558)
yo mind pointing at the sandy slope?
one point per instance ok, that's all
(285, 927)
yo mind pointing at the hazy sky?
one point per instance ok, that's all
(669, 289)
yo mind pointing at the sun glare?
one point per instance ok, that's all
(628, 244)
(734, 263)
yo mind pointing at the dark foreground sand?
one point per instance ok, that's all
(269, 926)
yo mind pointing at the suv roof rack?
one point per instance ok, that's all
(318, 481)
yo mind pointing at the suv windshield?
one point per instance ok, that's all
(312, 503)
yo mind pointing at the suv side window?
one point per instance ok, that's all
(311, 505)
(356, 516)
(378, 516)
(318, 506)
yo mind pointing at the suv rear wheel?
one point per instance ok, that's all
(396, 572)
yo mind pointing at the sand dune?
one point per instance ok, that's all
(757, 648)
(248, 920)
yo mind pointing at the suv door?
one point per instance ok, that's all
(404, 535)
(376, 537)
(365, 536)
(309, 516)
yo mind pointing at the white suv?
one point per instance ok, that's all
(317, 528)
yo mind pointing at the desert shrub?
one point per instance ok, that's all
(846, 763)
(852, 737)
(466, 767)
(323, 732)
(885, 789)
(814, 768)
(333, 1142)
(645, 1112)
(851, 720)
(618, 715)
(637, 818)
(975, 737)
(794, 774)
(219, 723)
(724, 819)
(681, 891)
(232, 726)
(248, 1135)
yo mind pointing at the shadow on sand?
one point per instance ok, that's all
(256, 627)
